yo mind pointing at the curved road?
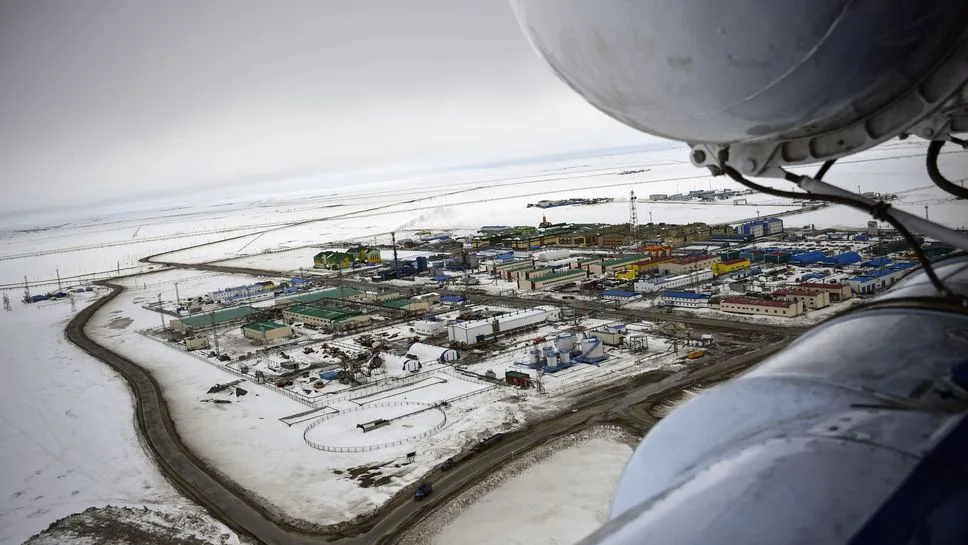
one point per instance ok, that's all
(224, 500)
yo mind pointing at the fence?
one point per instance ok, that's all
(366, 448)
(218, 365)
(605, 377)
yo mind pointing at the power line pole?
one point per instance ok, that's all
(26, 290)
(214, 332)
(161, 313)
(177, 298)
(633, 217)
(57, 272)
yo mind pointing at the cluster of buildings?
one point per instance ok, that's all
(352, 257)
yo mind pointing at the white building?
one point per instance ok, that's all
(428, 353)
(429, 327)
(652, 285)
(686, 299)
(475, 331)
(752, 305)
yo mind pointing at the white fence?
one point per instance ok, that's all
(365, 448)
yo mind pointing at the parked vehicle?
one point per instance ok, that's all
(448, 464)
(423, 491)
(695, 354)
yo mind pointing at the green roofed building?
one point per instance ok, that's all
(351, 294)
(329, 318)
(217, 318)
(266, 331)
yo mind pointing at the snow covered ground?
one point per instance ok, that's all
(538, 499)
(246, 441)
(66, 429)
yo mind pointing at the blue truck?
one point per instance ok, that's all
(423, 491)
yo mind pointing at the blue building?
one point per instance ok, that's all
(806, 258)
(760, 228)
(620, 295)
(842, 260)
(686, 299)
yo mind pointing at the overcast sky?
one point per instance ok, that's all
(102, 99)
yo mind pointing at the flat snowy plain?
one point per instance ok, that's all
(66, 417)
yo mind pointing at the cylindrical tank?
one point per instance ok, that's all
(592, 349)
(534, 357)
(564, 357)
(564, 342)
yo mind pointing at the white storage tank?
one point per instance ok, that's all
(534, 357)
(564, 358)
(564, 342)
(592, 349)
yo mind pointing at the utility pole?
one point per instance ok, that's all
(211, 315)
(26, 290)
(177, 298)
(6, 302)
(73, 303)
(57, 272)
(925, 211)
(161, 313)
(633, 217)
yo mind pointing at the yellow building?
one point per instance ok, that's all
(333, 260)
(626, 275)
(731, 265)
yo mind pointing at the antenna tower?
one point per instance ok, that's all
(396, 263)
(633, 217)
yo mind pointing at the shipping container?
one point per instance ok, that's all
(696, 354)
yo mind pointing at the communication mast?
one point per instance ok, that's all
(633, 217)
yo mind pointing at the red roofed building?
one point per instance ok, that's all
(837, 292)
(766, 307)
(809, 297)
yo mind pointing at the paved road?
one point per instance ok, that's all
(224, 500)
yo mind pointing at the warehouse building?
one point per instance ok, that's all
(266, 331)
(344, 293)
(767, 307)
(652, 285)
(327, 318)
(878, 279)
(730, 265)
(409, 305)
(613, 265)
(429, 328)
(476, 331)
(682, 265)
(842, 260)
(807, 258)
(685, 299)
(620, 295)
(812, 299)
(248, 292)
(554, 280)
(218, 318)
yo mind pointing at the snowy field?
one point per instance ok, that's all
(66, 429)
(536, 500)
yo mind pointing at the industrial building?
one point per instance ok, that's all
(225, 316)
(730, 265)
(685, 299)
(328, 318)
(760, 228)
(365, 254)
(807, 258)
(475, 331)
(618, 264)
(248, 292)
(265, 331)
(835, 291)
(333, 259)
(812, 299)
(553, 280)
(652, 285)
(872, 281)
(344, 293)
(428, 353)
(620, 295)
(197, 343)
(409, 305)
(683, 265)
(752, 305)
(842, 260)
(429, 328)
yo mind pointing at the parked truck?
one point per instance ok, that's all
(423, 491)
(489, 442)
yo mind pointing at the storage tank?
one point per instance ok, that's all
(548, 353)
(534, 358)
(564, 358)
(592, 350)
(564, 342)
